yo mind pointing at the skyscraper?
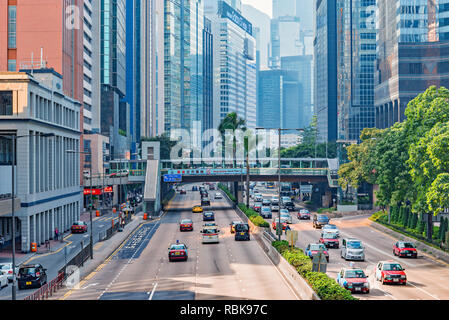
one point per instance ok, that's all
(113, 74)
(183, 67)
(412, 54)
(234, 63)
(356, 54)
(325, 102)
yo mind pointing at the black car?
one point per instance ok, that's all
(208, 216)
(290, 206)
(242, 232)
(31, 276)
(266, 213)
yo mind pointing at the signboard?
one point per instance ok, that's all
(173, 178)
(95, 192)
(305, 188)
(108, 190)
(292, 237)
(228, 12)
(193, 172)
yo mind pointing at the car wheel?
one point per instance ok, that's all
(382, 280)
(394, 252)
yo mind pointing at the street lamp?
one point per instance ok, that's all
(91, 203)
(13, 233)
(279, 170)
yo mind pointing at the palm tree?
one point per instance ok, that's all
(231, 122)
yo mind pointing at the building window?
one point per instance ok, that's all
(5, 103)
(12, 65)
(12, 19)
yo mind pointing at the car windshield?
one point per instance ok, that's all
(241, 227)
(210, 231)
(285, 213)
(5, 266)
(355, 274)
(406, 245)
(26, 271)
(266, 209)
(392, 267)
(178, 247)
(78, 223)
(323, 218)
(329, 236)
(354, 245)
(208, 214)
(186, 221)
(317, 247)
(330, 226)
(257, 204)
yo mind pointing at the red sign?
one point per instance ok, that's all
(108, 190)
(95, 192)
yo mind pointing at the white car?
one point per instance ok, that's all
(285, 214)
(210, 235)
(218, 195)
(7, 269)
(3, 279)
(331, 228)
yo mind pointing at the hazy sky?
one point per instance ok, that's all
(265, 6)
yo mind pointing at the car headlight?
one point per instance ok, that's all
(366, 284)
(403, 277)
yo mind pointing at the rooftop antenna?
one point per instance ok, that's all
(42, 57)
(32, 58)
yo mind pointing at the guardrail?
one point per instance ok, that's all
(48, 289)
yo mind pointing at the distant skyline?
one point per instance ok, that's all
(266, 6)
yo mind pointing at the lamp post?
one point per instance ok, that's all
(280, 130)
(91, 204)
(13, 233)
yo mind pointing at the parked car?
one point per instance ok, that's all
(79, 227)
(405, 249)
(390, 272)
(352, 249)
(320, 220)
(354, 280)
(31, 276)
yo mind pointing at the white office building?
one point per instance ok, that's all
(235, 69)
(47, 177)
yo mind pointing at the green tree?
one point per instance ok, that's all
(165, 142)
(231, 122)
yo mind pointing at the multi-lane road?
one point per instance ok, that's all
(229, 270)
(427, 279)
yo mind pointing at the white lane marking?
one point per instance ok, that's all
(90, 285)
(152, 292)
(433, 296)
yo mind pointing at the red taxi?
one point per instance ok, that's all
(186, 225)
(330, 240)
(177, 252)
(79, 227)
(405, 249)
(390, 272)
(283, 222)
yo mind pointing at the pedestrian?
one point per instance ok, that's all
(56, 233)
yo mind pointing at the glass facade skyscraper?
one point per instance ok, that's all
(183, 67)
(356, 54)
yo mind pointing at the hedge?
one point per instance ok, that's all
(325, 287)
(226, 190)
(254, 216)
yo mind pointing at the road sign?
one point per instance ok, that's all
(173, 178)
(305, 188)
(193, 172)
(292, 237)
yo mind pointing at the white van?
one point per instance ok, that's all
(210, 235)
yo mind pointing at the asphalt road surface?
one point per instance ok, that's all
(229, 270)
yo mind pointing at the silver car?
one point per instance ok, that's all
(285, 214)
(352, 249)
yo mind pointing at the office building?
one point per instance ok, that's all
(325, 70)
(280, 98)
(356, 55)
(47, 177)
(412, 54)
(234, 64)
